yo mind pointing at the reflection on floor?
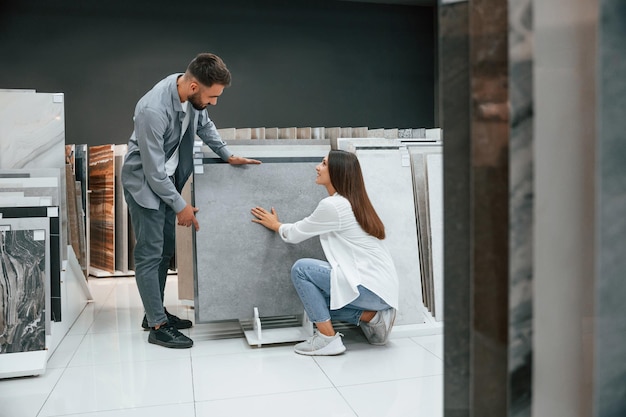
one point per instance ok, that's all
(106, 368)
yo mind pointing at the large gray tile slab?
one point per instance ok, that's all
(240, 264)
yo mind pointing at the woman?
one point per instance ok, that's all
(358, 284)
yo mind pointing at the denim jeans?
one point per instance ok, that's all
(155, 234)
(311, 279)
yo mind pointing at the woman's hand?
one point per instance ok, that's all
(267, 219)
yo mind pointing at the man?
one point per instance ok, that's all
(158, 163)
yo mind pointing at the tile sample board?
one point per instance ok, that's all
(56, 264)
(102, 208)
(241, 265)
(32, 130)
(24, 274)
(389, 183)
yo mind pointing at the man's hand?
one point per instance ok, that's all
(187, 217)
(240, 160)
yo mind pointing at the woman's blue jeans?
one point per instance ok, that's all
(311, 279)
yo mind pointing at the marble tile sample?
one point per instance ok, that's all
(257, 133)
(522, 203)
(32, 130)
(243, 133)
(389, 184)
(102, 207)
(304, 133)
(405, 133)
(81, 172)
(418, 133)
(225, 194)
(72, 215)
(359, 132)
(345, 132)
(332, 133)
(24, 300)
(434, 170)
(376, 133)
(454, 81)
(420, 189)
(318, 133)
(82, 236)
(229, 133)
(121, 213)
(390, 133)
(390, 188)
(271, 133)
(56, 261)
(185, 251)
(288, 133)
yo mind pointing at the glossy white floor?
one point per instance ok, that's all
(106, 368)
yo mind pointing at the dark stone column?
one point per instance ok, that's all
(454, 116)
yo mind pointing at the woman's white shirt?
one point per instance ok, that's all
(356, 258)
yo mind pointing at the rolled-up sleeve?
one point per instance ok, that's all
(324, 219)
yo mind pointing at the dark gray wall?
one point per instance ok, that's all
(294, 63)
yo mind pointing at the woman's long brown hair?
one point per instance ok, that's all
(347, 179)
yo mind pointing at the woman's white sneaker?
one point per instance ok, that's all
(321, 345)
(378, 329)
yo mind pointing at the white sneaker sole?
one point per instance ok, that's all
(335, 347)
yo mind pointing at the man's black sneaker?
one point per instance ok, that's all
(172, 319)
(169, 336)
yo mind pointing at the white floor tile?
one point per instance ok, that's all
(110, 387)
(324, 402)
(399, 398)
(113, 348)
(105, 367)
(363, 363)
(256, 373)
(24, 397)
(65, 351)
(173, 410)
(433, 343)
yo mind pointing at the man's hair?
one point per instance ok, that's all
(209, 69)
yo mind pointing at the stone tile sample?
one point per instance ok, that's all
(72, 214)
(229, 133)
(610, 309)
(271, 133)
(287, 133)
(243, 133)
(262, 276)
(121, 213)
(391, 133)
(420, 190)
(345, 132)
(56, 262)
(102, 207)
(257, 133)
(454, 82)
(332, 133)
(185, 252)
(318, 133)
(32, 130)
(434, 170)
(24, 262)
(390, 188)
(376, 133)
(81, 172)
(521, 199)
(304, 133)
(405, 133)
(359, 132)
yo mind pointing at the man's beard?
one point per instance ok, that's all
(194, 99)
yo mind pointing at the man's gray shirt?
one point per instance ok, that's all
(158, 122)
